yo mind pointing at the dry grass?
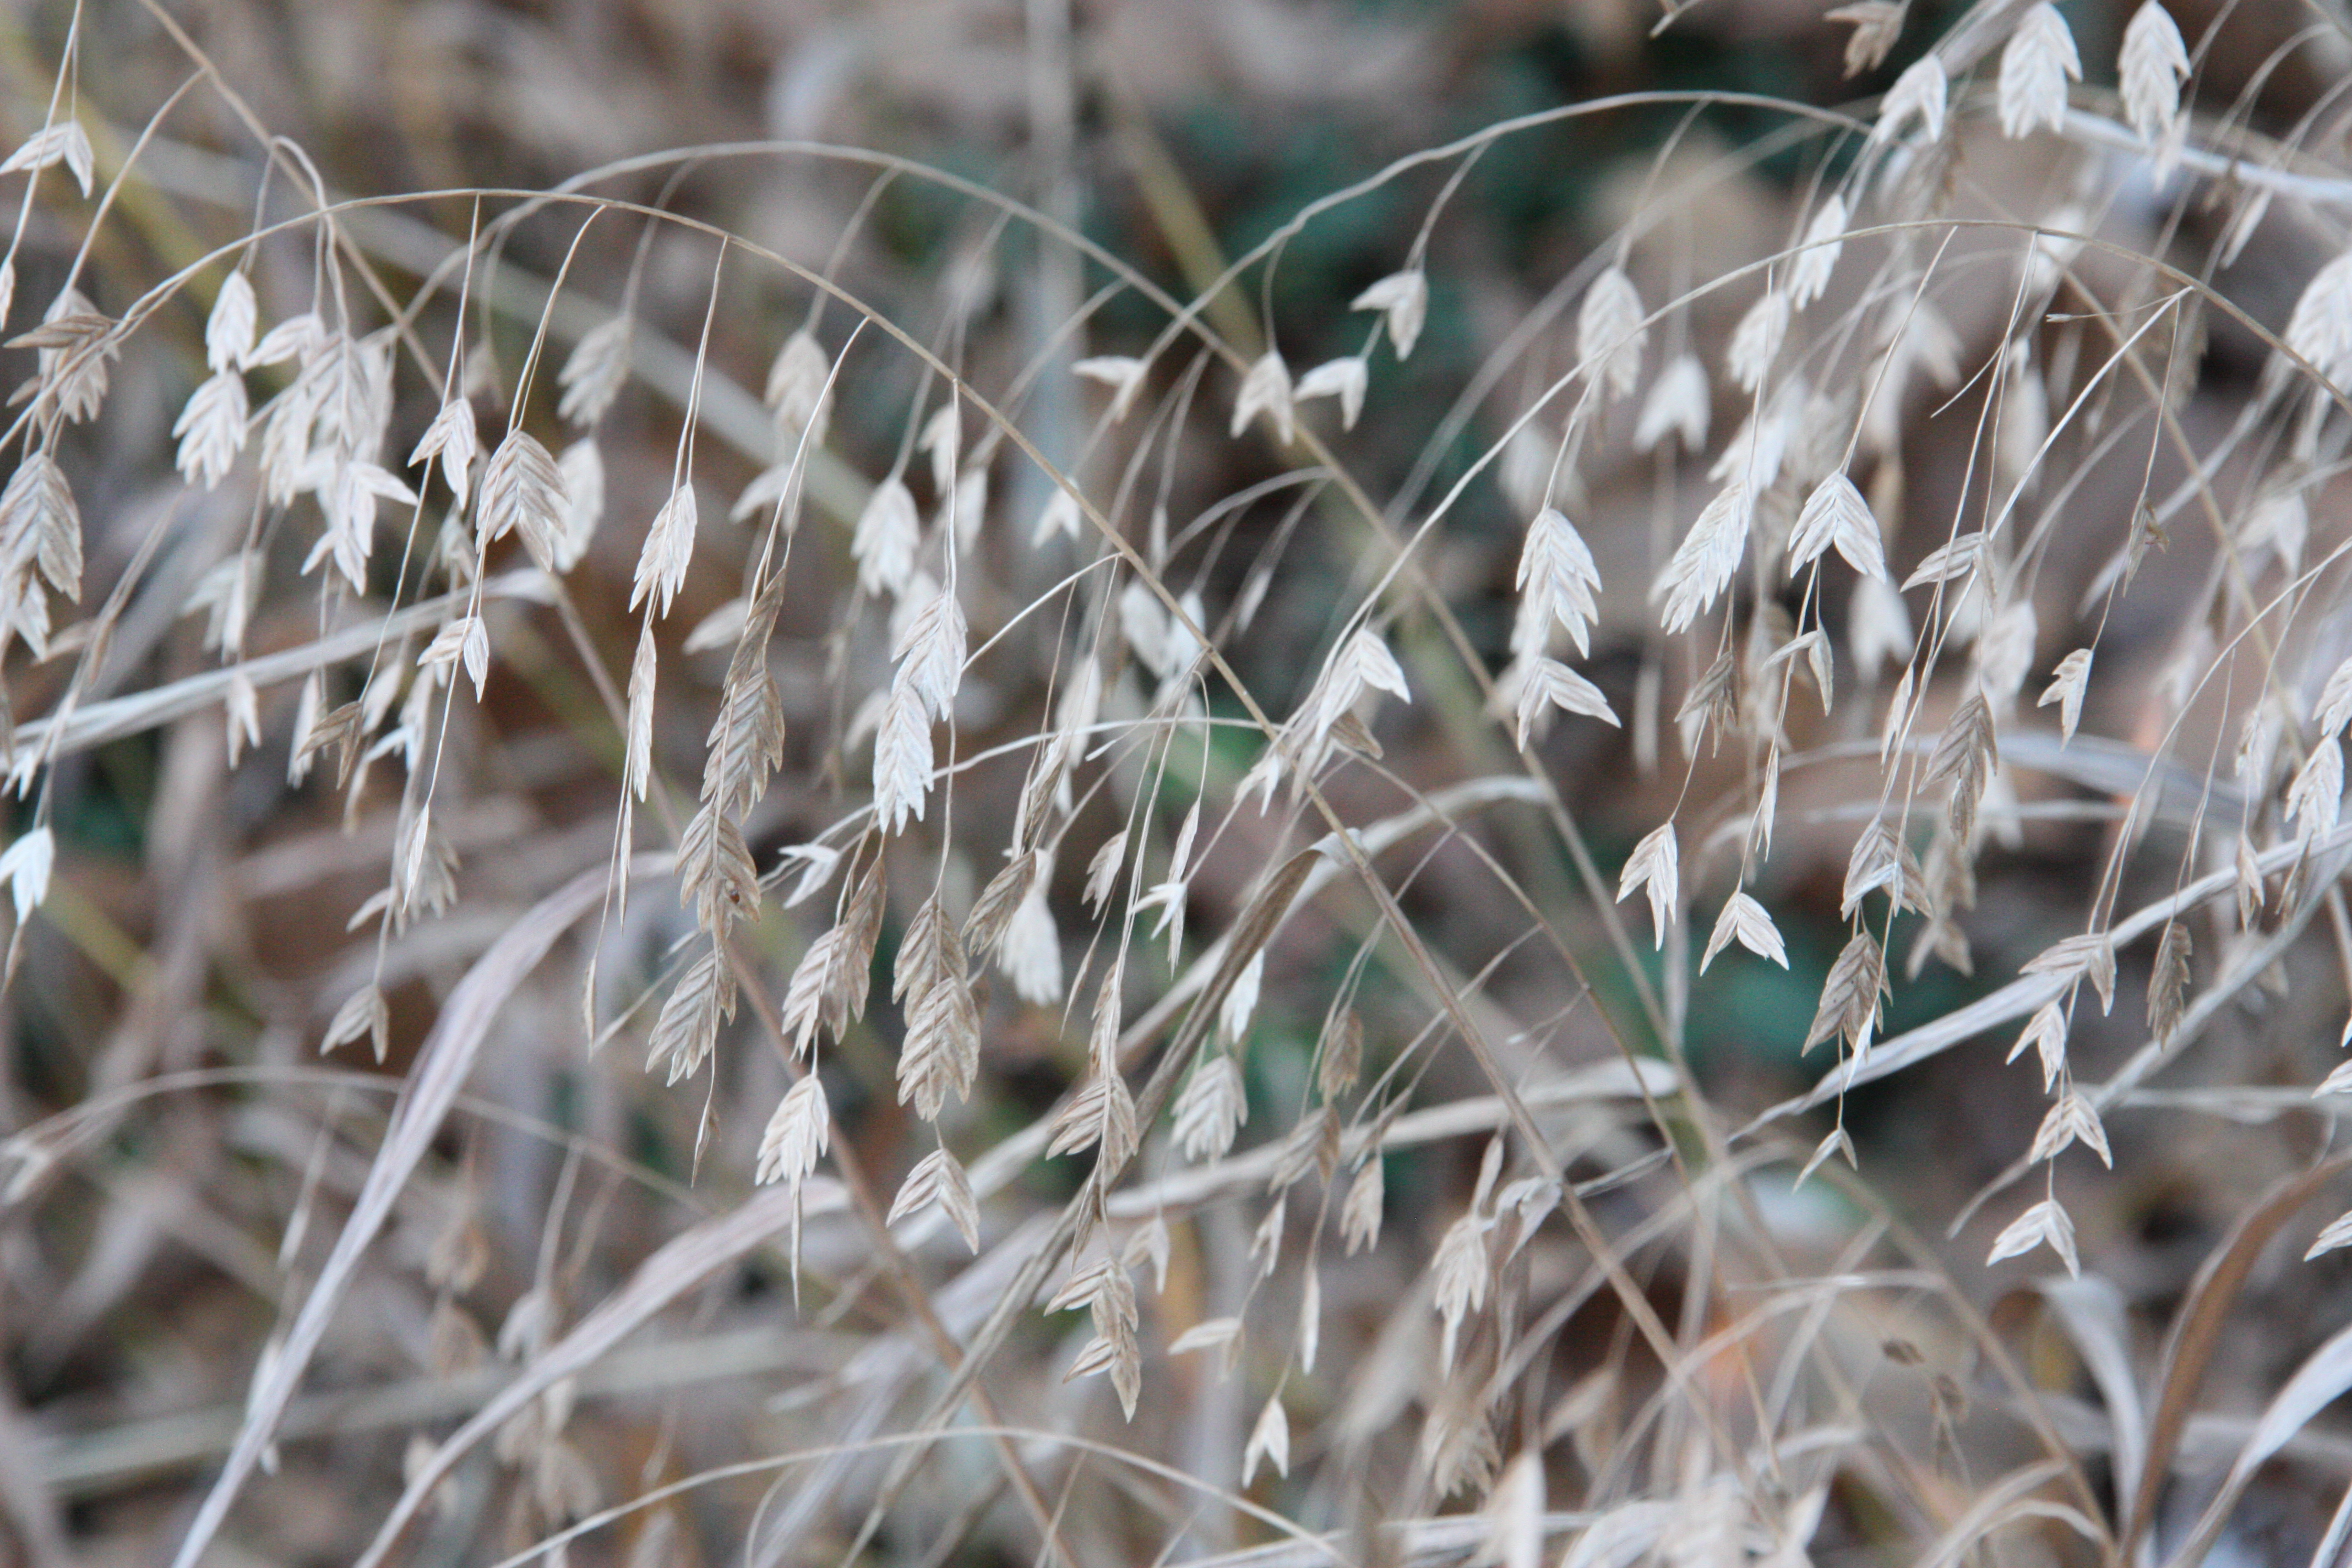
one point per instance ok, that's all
(1005, 851)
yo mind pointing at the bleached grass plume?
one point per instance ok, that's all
(1036, 592)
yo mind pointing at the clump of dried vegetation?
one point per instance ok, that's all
(897, 838)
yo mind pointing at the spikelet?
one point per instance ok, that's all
(1557, 581)
(702, 1000)
(940, 1054)
(797, 1134)
(2337, 1233)
(1654, 867)
(1344, 379)
(1809, 651)
(1463, 1272)
(2152, 67)
(77, 346)
(2071, 1121)
(1677, 406)
(212, 429)
(462, 638)
(902, 761)
(1265, 389)
(1402, 297)
(2333, 711)
(805, 1008)
(1029, 953)
(595, 373)
(1710, 705)
(454, 438)
(1835, 514)
(2045, 1223)
(1876, 24)
(931, 651)
(1104, 1290)
(1947, 562)
(747, 737)
(522, 493)
(1709, 556)
(581, 470)
(2036, 64)
(1211, 1109)
(637, 769)
(365, 1012)
(1122, 374)
(348, 494)
(942, 440)
(295, 338)
(1878, 627)
(1528, 469)
(930, 654)
(1362, 665)
(26, 866)
(1342, 1056)
(1360, 1212)
(1312, 1144)
(817, 863)
(1102, 871)
(1880, 862)
(1061, 515)
(1808, 274)
(2167, 983)
(1750, 924)
(1965, 757)
(40, 529)
(64, 141)
(1548, 684)
(1919, 93)
(230, 325)
(716, 877)
(1269, 1440)
(1609, 336)
(1850, 997)
(668, 549)
(2320, 329)
(797, 392)
(1102, 1113)
(883, 543)
(2068, 683)
(938, 1179)
(2314, 799)
(1757, 340)
(992, 912)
